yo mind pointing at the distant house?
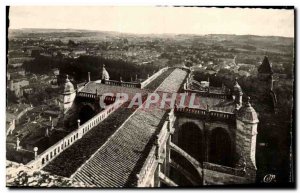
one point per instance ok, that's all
(46, 54)
(55, 71)
(65, 53)
(17, 71)
(27, 90)
(15, 65)
(77, 53)
(17, 86)
(243, 73)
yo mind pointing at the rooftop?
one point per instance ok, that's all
(215, 104)
(72, 158)
(126, 149)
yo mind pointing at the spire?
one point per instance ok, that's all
(237, 88)
(68, 86)
(265, 67)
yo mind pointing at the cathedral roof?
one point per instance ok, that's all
(68, 87)
(120, 156)
(247, 113)
(265, 67)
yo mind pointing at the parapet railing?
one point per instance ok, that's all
(107, 98)
(121, 83)
(87, 95)
(154, 76)
(44, 158)
(207, 113)
(208, 94)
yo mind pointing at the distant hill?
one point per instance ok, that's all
(261, 44)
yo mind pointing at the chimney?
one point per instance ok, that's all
(89, 76)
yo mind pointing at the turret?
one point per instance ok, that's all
(237, 94)
(246, 134)
(104, 74)
(67, 96)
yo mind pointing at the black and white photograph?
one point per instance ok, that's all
(150, 97)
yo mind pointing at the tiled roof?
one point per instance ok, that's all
(112, 165)
(216, 104)
(72, 158)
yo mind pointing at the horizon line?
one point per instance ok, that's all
(169, 33)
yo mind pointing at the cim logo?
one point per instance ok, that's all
(269, 178)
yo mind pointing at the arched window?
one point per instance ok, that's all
(190, 139)
(220, 147)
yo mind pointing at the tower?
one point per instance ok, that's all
(265, 74)
(266, 81)
(67, 96)
(246, 134)
(104, 74)
(237, 94)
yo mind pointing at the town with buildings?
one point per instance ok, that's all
(58, 134)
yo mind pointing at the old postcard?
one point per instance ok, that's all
(112, 96)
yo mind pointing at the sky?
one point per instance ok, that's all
(158, 20)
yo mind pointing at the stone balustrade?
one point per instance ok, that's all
(123, 84)
(86, 95)
(211, 114)
(44, 158)
(208, 94)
